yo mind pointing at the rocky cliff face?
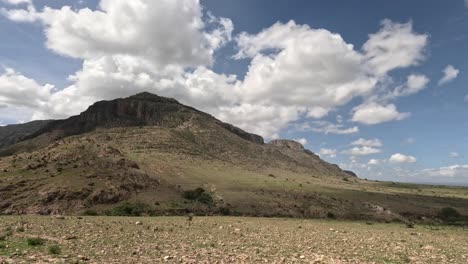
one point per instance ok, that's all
(290, 144)
(144, 109)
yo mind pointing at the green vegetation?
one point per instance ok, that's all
(90, 212)
(200, 195)
(35, 241)
(131, 209)
(449, 214)
(54, 250)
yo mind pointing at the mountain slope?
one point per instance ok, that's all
(154, 151)
(12, 134)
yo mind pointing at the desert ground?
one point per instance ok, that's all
(76, 239)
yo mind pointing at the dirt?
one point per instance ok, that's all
(227, 240)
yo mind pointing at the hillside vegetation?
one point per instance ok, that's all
(148, 152)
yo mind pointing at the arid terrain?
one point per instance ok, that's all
(121, 182)
(225, 240)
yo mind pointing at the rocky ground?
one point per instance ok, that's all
(35, 239)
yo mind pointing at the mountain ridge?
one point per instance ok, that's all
(153, 151)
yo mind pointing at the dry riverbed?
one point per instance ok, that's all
(35, 239)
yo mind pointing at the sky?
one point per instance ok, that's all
(378, 87)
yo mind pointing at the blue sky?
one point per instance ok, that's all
(245, 62)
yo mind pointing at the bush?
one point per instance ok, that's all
(54, 250)
(35, 241)
(199, 195)
(225, 211)
(90, 212)
(449, 214)
(128, 209)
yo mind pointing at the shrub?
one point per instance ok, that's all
(54, 250)
(199, 195)
(449, 214)
(129, 209)
(331, 215)
(225, 211)
(35, 241)
(90, 212)
(205, 198)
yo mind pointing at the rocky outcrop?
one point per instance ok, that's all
(144, 109)
(290, 144)
(241, 133)
(350, 173)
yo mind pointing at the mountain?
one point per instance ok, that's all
(12, 134)
(152, 154)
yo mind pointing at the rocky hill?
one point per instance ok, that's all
(153, 155)
(12, 134)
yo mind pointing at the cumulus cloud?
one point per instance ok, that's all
(367, 142)
(450, 74)
(362, 151)
(454, 154)
(295, 71)
(401, 158)
(326, 128)
(310, 68)
(394, 46)
(134, 28)
(374, 113)
(18, 90)
(325, 152)
(414, 84)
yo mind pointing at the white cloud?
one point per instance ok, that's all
(367, 143)
(414, 84)
(326, 128)
(134, 28)
(362, 151)
(18, 90)
(454, 155)
(401, 158)
(449, 171)
(17, 2)
(373, 113)
(466, 3)
(374, 162)
(450, 73)
(310, 68)
(394, 46)
(466, 98)
(303, 141)
(325, 152)
(295, 71)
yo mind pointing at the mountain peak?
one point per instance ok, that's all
(142, 109)
(147, 96)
